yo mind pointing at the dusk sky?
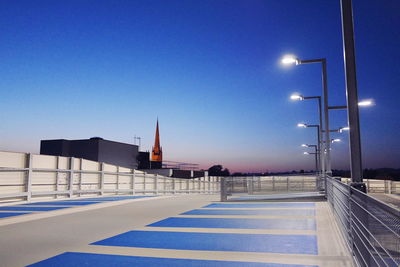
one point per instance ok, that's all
(209, 70)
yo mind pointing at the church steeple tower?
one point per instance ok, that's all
(156, 154)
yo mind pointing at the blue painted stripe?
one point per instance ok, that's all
(88, 259)
(31, 208)
(11, 214)
(263, 205)
(238, 223)
(61, 203)
(288, 244)
(271, 212)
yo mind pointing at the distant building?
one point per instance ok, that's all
(98, 149)
(121, 154)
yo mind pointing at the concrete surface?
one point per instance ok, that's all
(36, 237)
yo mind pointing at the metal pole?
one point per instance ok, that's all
(326, 113)
(352, 94)
(321, 149)
(318, 148)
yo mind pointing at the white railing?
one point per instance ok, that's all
(378, 186)
(253, 185)
(25, 176)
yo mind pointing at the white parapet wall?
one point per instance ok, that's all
(25, 176)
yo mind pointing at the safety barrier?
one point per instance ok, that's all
(255, 185)
(370, 227)
(29, 176)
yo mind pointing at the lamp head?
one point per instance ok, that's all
(290, 59)
(302, 125)
(366, 103)
(306, 153)
(336, 140)
(296, 97)
(304, 145)
(347, 128)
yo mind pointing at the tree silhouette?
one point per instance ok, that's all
(218, 170)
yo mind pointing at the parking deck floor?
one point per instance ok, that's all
(183, 230)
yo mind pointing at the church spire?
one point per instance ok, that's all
(156, 154)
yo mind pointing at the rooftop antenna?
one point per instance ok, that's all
(137, 138)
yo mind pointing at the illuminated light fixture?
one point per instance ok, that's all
(306, 153)
(304, 145)
(336, 140)
(302, 125)
(366, 103)
(297, 97)
(344, 129)
(289, 59)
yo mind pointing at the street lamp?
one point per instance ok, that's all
(290, 59)
(318, 147)
(321, 155)
(362, 103)
(316, 155)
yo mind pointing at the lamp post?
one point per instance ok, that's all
(352, 94)
(294, 60)
(321, 155)
(316, 154)
(303, 125)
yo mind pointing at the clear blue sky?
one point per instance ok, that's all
(208, 69)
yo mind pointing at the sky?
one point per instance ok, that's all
(208, 70)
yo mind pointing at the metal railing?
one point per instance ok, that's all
(370, 227)
(30, 182)
(258, 185)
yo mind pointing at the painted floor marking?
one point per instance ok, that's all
(271, 212)
(90, 259)
(16, 208)
(238, 223)
(288, 244)
(61, 203)
(10, 214)
(263, 205)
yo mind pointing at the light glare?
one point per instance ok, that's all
(301, 125)
(366, 103)
(304, 145)
(296, 97)
(289, 60)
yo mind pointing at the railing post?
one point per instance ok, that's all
(80, 176)
(28, 184)
(71, 177)
(156, 184)
(117, 186)
(273, 183)
(101, 178)
(144, 183)
(165, 185)
(188, 186)
(199, 186)
(173, 186)
(224, 196)
(133, 182)
(57, 176)
(287, 184)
